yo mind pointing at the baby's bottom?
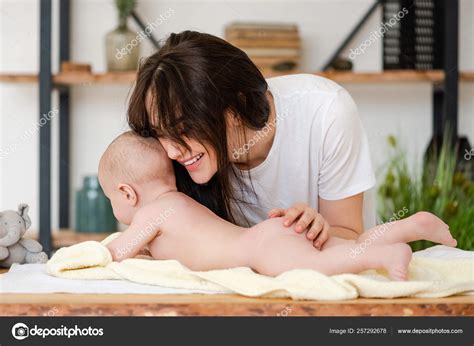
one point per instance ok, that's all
(277, 249)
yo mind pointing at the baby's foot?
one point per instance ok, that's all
(430, 227)
(396, 261)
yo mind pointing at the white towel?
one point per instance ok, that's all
(33, 278)
(428, 277)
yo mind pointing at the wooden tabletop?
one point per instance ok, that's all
(66, 304)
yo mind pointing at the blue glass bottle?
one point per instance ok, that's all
(93, 210)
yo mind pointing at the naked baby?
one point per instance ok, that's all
(138, 178)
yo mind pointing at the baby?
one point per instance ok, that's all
(138, 178)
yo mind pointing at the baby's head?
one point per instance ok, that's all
(133, 171)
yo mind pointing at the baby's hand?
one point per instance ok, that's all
(305, 218)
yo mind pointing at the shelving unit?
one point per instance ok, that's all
(85, 79)
(444, 82)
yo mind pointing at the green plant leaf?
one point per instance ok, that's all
(439, 189)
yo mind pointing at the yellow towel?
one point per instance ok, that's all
(428, 277)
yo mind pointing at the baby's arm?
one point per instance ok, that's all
(144, 228)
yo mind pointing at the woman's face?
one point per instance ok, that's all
(200, 161)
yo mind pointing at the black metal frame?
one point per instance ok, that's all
(445, 94)
(64, 120)
(46, 87)
(142, 26)
(451, 69)
(352, 33)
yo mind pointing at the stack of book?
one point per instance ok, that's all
(274, 47)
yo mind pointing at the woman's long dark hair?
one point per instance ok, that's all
(193, 82)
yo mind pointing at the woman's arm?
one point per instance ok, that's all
(345, 168)
(344, 216)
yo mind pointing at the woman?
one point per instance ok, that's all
(248, 148)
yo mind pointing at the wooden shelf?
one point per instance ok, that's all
(84, 79)
(68, 237)
(71, 78)
(18, 78)
(467, 76)
(386, 76)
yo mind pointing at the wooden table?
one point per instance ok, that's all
(66, 304)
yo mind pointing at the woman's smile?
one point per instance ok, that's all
(192, 163)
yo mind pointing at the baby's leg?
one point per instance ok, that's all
(422, 225)
(278, 249)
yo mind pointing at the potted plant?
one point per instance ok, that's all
(441, 188)
(122, 46)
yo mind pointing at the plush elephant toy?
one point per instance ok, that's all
(14, 248)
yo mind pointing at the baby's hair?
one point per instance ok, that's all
(131, 158)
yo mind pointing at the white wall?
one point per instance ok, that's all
(98, 111)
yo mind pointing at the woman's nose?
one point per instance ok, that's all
(173, 151)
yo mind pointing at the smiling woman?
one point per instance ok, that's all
(204, 100)
(183, 95)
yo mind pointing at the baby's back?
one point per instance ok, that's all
(196, 237)
(200, 240)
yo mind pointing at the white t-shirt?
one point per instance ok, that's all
(320, 149)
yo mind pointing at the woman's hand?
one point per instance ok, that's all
(304, 218)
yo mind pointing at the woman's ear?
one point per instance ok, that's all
(129, 193)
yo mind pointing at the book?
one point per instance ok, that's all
(261, 34)
(263, 26)
(271, 52)
(265, 43)
(274, 61)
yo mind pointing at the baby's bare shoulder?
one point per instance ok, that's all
(175, 200)
(167, 204)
